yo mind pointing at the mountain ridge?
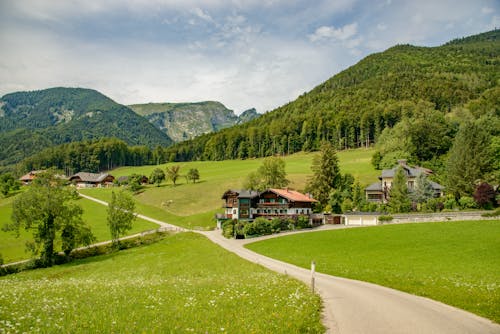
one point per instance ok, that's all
(183, 121)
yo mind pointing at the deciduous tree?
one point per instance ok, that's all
(120, 215)
(193, 175)
(48, 208)
(157, 176)
(173, 173)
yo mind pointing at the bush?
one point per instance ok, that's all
(228, 228)
(385, 218)
(303, 222)
(433, 205)
(450, 203)
(259, 226)
(495, 213)
(466, 202)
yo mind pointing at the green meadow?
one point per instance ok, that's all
(457, 263)
(183, 283)
(188, 205)
(12, 247)
(194, 205)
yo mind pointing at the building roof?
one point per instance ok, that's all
(293, 195)
(410, 171)
(436, 186)
(90, 177)
(30, 176)
(241, 193)
(377, 186)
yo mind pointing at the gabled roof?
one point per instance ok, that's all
(90, 177)
(377, 186)
(436, 186)
(241, 193)
(293, 195)
(30, 176)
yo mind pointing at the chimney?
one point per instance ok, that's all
(402, 162)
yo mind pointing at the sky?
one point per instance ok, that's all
(243, 53)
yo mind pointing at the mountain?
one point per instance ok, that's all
(32, 121)
(352, 108)
(182, 121)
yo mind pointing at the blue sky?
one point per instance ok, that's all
(244, 54)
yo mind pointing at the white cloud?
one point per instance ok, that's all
(487, 10)
(201, 14)
(330, 32)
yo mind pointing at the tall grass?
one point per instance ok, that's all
(182, 284)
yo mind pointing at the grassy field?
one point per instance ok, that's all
(182, 284)
(12, 248)
(457, 263)
(192, 205)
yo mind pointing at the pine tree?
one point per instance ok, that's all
(423, 189)
(326, 174)
(469, 160)
(398, 194)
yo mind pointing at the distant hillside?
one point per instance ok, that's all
(32, 121)
(182, 121)
(352, 108)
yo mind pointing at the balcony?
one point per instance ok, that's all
(273, 205)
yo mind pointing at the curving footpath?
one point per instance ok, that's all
(352, 306)
(355, 307)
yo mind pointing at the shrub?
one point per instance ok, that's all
(228, 228)
(433, 205)
(385, 218)
(303, 222)
(259, 226)
(495, 213)
(450, 203)
(467, 202)
(484, 196)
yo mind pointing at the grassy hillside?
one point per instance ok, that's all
(12, 248)
(184, 283)
(190, 204)
(456, 263)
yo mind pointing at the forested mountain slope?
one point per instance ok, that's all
(352, 108)
(182, 121)
(32, 121)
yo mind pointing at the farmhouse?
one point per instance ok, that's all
(271, 203)
(379, 191)
(89, 180)
(29, 177)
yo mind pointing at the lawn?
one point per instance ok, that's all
(183, 283)
(457, 263)
(12, 248)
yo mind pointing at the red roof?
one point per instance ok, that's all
(293, 195)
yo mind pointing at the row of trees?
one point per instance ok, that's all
(49, 209)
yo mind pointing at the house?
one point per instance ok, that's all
(89, 180)
(29, 177)
(379, 191)
(271, 203)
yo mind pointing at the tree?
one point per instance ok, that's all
(193, 175)
(469, 159)
(398, 194)
(326, 174)
(135, 182)
(173, 173)
(8, 183)
(120, 215)
(271, 174)
(157, 176)
(423, 189)
(484, 195)
(49, 209)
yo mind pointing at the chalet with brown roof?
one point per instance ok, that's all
(271, 203)
(90, 180)
(29, 177)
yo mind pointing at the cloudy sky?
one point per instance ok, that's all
(244, 53)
